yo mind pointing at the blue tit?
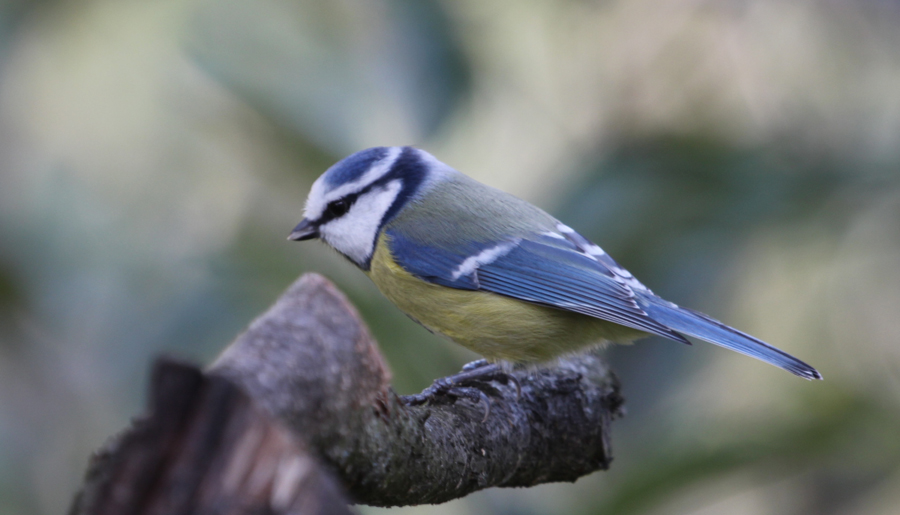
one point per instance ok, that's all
(490, 271)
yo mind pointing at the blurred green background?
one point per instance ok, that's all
(740, 157)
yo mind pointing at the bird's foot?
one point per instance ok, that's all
(472, 383)
(473, 365)
(494, 374)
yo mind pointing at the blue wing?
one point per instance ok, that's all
(566, 271)
(549, 271)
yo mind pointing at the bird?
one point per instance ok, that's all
(490, 271)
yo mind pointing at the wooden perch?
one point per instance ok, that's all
(205, 448)
(309, 366)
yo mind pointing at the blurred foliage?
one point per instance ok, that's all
(337, 72)
(742, 158)
(773, 453)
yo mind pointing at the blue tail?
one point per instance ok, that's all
(698, 325)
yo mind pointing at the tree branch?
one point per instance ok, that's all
(204, 448)
(306, 382)
(311, 362)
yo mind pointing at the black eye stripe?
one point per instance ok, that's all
(337, 208)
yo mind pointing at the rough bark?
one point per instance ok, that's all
(311, 361)
(305, 382)
(204, 448)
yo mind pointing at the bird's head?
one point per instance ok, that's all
(350, 203)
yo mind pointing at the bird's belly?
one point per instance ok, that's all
(497, 327)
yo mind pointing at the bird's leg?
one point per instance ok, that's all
(478, 363)
(499, 376)
(468, 384)
(477, 376)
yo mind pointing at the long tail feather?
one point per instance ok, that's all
(704, 327)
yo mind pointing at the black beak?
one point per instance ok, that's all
(305, 230)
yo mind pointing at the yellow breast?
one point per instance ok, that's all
(494, 326)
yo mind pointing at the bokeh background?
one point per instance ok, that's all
(741, 157)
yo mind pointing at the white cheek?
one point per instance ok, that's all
(354, 233)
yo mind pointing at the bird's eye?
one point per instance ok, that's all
(337, 208)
